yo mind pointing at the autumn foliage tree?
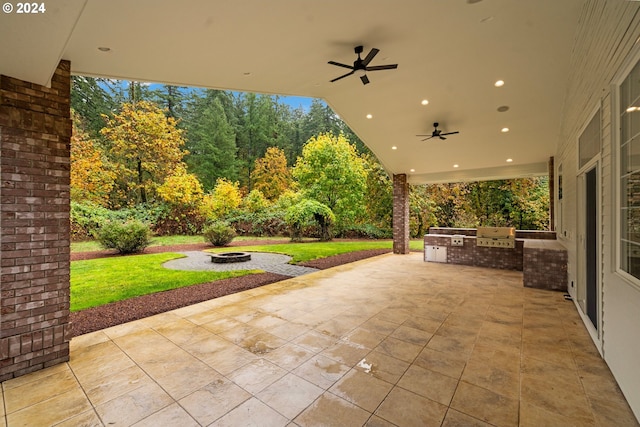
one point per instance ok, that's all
(331, 172)
(183, 196)
(91, 177)
(146, 146)
(224, 198)
(271, 175)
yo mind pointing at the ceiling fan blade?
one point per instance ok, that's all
(431, 136)
(373, 52)
(382, 67)
(450, 133)
(365, 79)
(342, 77)
(341, 65)
(442, 137)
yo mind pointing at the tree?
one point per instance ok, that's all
(170, 98)
(331, 172)
(421, 210)
(181, 188)
(271, 175)
(211, 139)
(225, 198)
(307, 210)
(449, 200)
(379, 194)
(91, 99)
(91, 177)
(183, 197)
(145, 146)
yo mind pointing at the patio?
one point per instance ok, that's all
(385, 341)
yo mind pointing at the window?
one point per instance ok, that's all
(630, 173)
(589, 141)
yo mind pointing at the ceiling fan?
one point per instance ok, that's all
(361, 66)
(437, 133)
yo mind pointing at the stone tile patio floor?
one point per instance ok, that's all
(385, 341)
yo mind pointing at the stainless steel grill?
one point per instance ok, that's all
(496, 237)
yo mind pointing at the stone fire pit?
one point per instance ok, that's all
(228, 257)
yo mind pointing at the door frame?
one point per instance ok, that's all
(581, 285)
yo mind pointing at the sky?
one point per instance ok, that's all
(293, 101)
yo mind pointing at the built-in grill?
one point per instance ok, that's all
(496, 237)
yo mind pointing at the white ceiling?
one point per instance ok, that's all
(449, 52)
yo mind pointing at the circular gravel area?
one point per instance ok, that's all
(196, 260)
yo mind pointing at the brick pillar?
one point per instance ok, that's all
(400, 214)
(552, 186)
(35, 133)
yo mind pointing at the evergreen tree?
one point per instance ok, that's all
(92, 98)
(211, 139)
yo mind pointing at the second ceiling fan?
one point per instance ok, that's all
(361, 66)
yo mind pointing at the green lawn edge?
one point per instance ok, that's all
(102, 281)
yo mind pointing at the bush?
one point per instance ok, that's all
(219, 233)
(267, 223)
(129, 237)
(181, 220)
(88, 219)
(364, 231)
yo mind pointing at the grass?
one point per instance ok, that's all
(101, 281)
(301, 252)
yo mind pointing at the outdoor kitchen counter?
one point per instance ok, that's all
(545, 265)
(543, 262)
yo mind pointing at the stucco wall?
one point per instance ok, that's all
(605, 44)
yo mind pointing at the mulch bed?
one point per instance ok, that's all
(94, 319)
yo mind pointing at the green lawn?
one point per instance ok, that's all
(101, 281)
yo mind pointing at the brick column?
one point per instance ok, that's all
(400, 214)
(35, 133)
(552, 186)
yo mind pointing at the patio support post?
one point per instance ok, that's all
(400, 214)
(552, 178)
(35, 135)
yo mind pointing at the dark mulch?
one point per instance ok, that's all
(116, 313)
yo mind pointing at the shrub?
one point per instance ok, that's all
(219, 233)
(266, 223)
(129, 237)
(364, 231)
(302, 213)
(179, 220)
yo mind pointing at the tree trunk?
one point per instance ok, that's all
(143, 192)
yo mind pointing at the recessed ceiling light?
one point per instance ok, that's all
(369, 116)
(412, 170)
(425, 102)
(504, 130)
(503, 108)
(104, 49)
(499, 83)
(509, 160)
(456, 166)
(632, 109)
(394, 148)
